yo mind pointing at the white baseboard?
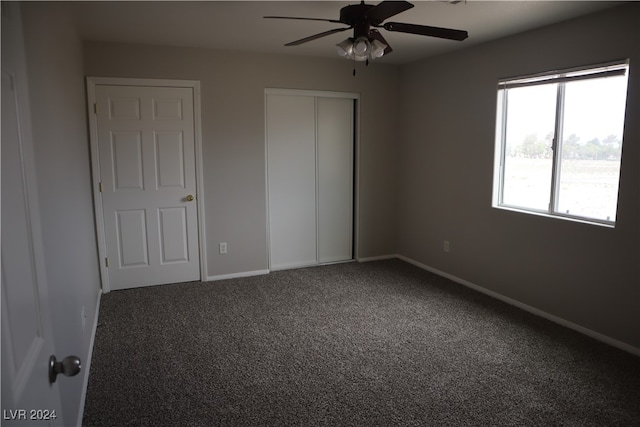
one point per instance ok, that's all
(237, 275)
(87, 364)
(291, 267)
(563, 322)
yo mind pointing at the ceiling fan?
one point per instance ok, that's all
(367, 42)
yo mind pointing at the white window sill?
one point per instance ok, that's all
(601, 223)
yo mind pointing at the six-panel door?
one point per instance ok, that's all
(146, 145)
(27, 339)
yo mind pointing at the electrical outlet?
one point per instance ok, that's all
(223, 247)
(446, 246)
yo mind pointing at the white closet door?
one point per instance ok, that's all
(335, 178)
(291, 162)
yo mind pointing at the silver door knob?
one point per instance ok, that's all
(69, 367)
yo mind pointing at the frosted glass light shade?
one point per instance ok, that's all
(345, 48)
(377, 49)
(361, 46)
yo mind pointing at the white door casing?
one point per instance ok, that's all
(27, 339)
(147, 149)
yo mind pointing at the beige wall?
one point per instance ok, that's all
(233, 129)
(586, 274)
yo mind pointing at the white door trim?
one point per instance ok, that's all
(92, 82)
(315, 93)
(356, 152)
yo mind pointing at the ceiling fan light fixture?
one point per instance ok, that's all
(364, 19)
(360, 58)
(377, 49)
(361, 47)
(345, 48)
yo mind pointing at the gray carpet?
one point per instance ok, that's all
(375, 344)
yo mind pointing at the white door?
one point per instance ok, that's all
(27, 340)
(291, 157)
(335, 136)
(146, 144)
(310, 163)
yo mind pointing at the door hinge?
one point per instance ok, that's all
(100, 187)
(106, 262)
(95, 108)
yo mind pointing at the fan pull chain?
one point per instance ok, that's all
(366, 64)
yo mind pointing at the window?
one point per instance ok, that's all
(559, 142)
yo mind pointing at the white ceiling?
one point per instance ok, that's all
(238, 25)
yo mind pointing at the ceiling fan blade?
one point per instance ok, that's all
(423, 30)
(317, 36)
(335, 21)
(376, 35)
(386, 9)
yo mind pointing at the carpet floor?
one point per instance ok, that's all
(373, 344)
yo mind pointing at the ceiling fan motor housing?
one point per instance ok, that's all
(355, 15)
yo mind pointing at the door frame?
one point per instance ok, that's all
(355, 230)
(92, 82)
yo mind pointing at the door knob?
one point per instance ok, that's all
(69, 367)
(190, 198)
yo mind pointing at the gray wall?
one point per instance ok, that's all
(233, 132)
(586, 274)
(54, 62)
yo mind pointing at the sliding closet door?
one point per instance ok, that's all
(291, 163)
(310, 145)
(335, 178)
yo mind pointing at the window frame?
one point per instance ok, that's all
(559, 77)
